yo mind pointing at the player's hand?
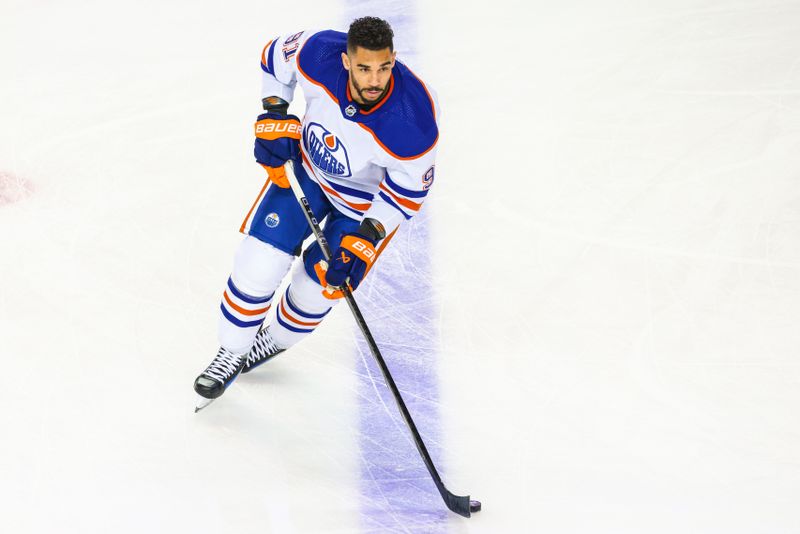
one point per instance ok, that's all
(277, 141)
(349, 263)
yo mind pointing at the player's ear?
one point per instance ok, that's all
(345, 61)
(394, 57)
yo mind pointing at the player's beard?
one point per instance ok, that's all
(361, 90)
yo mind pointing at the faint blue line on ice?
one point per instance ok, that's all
(396, 490)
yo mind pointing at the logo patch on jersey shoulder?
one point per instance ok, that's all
(350, 110)
(427, 178)
(272, 220)
(292, 38)
(290, 46)
(327, 152)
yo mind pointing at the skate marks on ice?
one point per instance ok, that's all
(396, 489)
(397, 492)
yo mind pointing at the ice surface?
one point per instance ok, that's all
(594, 320)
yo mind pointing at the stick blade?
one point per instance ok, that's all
(462, 505)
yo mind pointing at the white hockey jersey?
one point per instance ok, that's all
(377, 164)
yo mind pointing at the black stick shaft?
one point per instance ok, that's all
(457, 504)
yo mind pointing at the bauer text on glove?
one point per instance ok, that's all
(277, 141)
(349, 263)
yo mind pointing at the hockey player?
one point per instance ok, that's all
(364, 156)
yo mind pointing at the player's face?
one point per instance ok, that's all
(370, 72)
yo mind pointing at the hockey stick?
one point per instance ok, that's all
(461, 505)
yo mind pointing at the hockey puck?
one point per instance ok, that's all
(474, 506)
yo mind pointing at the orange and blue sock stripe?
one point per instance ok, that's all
(242, 310)
(294, 318)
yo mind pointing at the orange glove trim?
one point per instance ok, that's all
(278, 176)
(360, 247)
(272, 129)
(320, 268)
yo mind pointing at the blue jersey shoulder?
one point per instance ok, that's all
(404, 124)
(320, 59)
(407, 125)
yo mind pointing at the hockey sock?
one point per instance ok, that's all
(296, 318)
(241, 317)
(258, 269)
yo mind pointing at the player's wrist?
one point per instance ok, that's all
(371, 229)
(275, 104)
(278, 118)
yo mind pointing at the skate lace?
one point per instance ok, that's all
(224, 365)
(263, 346)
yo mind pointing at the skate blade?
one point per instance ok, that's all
(202, 403)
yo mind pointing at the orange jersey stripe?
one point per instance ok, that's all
(264, 53)
(357, 206)
(402, 201)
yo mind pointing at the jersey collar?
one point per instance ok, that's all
(350, 108)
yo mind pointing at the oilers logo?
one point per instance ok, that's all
(273, 220)
(326, 151)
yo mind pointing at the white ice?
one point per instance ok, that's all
(611, 284)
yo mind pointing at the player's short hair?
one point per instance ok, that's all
(371, 33)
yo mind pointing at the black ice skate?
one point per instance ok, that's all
(223, 370)
(264, 349)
